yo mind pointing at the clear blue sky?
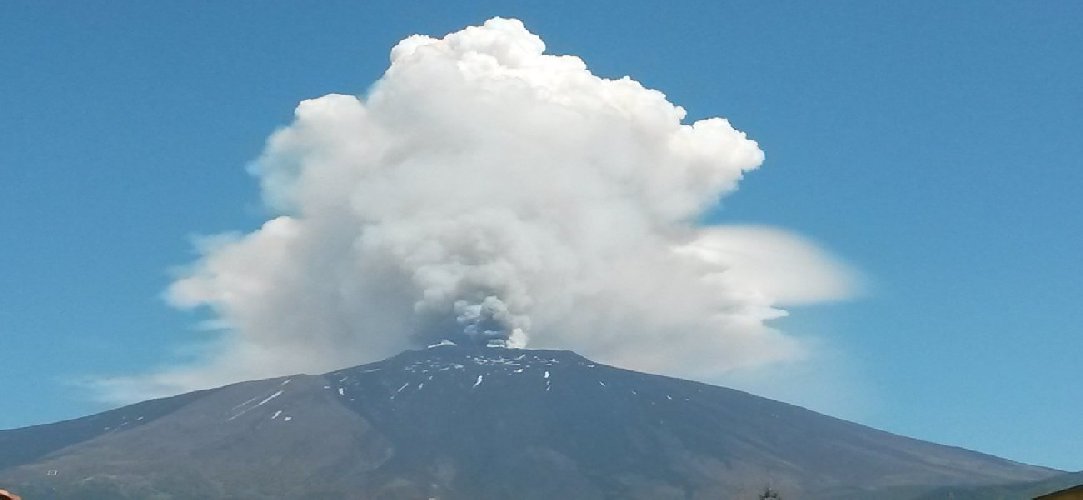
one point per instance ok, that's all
(933, 145)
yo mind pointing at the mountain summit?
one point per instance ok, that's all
(453, 422)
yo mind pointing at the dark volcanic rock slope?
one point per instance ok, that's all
(476, 423)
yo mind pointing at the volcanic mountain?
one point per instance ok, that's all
(453, 422)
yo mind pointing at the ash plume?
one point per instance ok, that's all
(486, 192)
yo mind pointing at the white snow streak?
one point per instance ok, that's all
(268, 398)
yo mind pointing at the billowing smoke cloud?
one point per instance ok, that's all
(488, 193)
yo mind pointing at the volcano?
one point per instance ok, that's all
(451, 422)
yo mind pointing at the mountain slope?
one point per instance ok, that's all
(1016, 491)
(451, 422)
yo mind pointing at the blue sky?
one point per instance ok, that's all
(932, 146)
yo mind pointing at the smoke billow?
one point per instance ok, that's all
(486, 192)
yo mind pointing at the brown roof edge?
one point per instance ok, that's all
(7, 495)
(1078, 487)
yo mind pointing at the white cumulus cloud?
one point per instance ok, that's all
(484, 191)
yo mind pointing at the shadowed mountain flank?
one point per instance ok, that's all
(452, 422)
